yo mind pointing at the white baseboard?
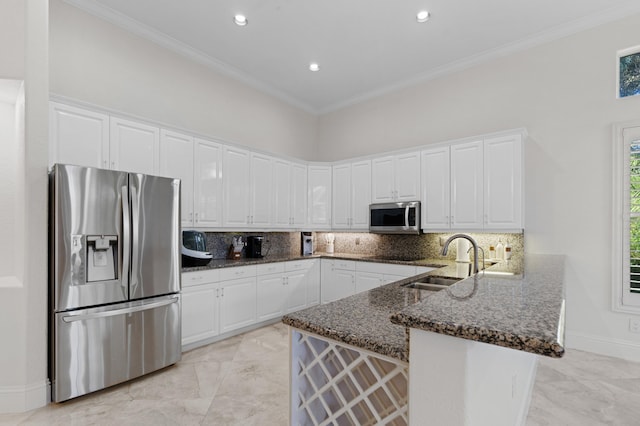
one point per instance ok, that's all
(618, 348)
(18, 399)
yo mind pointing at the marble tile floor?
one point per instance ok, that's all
(244, 381)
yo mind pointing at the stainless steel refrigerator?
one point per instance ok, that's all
(114, 273)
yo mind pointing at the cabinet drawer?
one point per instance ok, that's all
(200, 277)
(344, 264)
(298, 265)
(270, 268)
(236, 272)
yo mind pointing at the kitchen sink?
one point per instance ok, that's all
(432, 283)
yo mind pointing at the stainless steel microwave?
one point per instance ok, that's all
(395, 218)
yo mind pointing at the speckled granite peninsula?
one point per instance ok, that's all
(519, 305)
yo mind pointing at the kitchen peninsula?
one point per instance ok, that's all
(462, 355)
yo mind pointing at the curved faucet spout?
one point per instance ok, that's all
(445, 248)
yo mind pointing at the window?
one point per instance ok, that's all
(629, 72)
(626, 214)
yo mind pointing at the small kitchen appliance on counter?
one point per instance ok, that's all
(194, 249)
(306, 243)
(254, 246)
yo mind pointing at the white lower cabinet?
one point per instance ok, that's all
(342, 278)
(338, 279)
(200, 311)
(221, 301)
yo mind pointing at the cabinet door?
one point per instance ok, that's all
(382, 180)
(407, 176)
(313, 283)
(436, 189)
(176, 161)
(237, 304)
(319, 195)
(261, 190)
(199, 313)
(367, 281)
(344, 283)
(134, 147)
(281, 193)
(297, 290)
(78, 136)
(360, 194)
(503, 182)
(341, 217)
(272, 296)
(466, 186)
(298, 195)
(237, 186)
(208, 184)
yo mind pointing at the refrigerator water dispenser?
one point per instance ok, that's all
(102, 263)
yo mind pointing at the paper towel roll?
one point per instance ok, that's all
(463, 246)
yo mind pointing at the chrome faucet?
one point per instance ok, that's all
(445, 248)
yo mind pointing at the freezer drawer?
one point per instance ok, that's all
(99, 347)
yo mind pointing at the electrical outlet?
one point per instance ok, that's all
(358, 241)
(634, 325)
(442, 241)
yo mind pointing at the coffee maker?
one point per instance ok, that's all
(306, 243)
(254, 246)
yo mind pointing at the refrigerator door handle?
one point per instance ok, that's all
(135, 235)
(115, 312)
(126, 239)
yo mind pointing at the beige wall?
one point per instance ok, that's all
(564, 94)
(97, 62)
(23, 284)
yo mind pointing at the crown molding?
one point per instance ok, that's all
(138, 28)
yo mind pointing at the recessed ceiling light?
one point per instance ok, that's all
(313, 66)
(240, 20)
(423, 16)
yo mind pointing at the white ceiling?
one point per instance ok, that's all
(364, 47)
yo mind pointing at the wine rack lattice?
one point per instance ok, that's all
(335, 384)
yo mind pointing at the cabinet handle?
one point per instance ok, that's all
(222, 292)
(248, 220)
(113, 164)
(197, 217)
(105, 164)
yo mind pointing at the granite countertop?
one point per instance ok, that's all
(515, 304)
(228, 263)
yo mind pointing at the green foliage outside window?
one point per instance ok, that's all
(630, 75)
(634, 223)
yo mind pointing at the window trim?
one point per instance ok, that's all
(622, 299)
(620, 54)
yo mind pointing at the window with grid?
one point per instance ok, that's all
(626, 243)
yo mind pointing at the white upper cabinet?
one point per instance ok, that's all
(436, 189)
(351, 195)
(237, 186)
(396, 178)
(474, 185)
(176, 161)
(341, 192)
(78, 136)
(360, 194)
(467, 186)
(247, 189)
(289, 194)
(261, 189)
(281, 193)
(503, 182)
(298, 194)
(134, 147)
(208, 184)
(319, 196)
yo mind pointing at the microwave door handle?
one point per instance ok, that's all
(126, 240)
(406, 216)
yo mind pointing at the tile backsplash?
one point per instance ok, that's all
(402, 247)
